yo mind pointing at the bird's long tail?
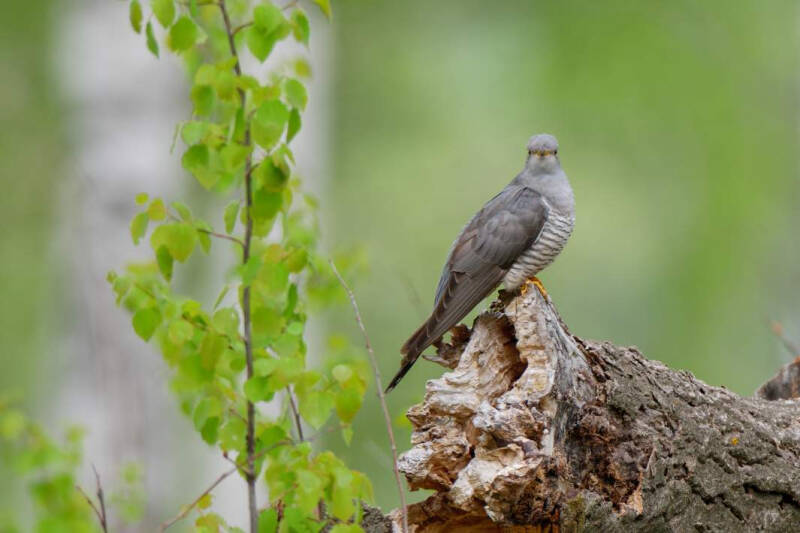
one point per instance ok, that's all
(411, 350)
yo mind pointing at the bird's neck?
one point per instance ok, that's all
(554, 187)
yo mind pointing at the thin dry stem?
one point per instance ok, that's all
(777, 329)
(180, 516)
(379, 391)
(236, 466)
(296, 414)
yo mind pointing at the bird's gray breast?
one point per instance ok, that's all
(551, 240)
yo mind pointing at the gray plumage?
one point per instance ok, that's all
(515, 235)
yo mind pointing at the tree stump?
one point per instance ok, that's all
(534, 429)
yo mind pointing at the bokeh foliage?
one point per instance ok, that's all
(678, 128)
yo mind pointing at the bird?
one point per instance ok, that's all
(512, 238)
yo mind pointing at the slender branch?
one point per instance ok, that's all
(381, 397)
(101, 510)
(222, 236)
(240, 27)
(180, 516)
(94, 508)
(296, 414)
(289, 5)
(248, 236)
(209, 232)
(101, 499)
(777, 329)
(236, 466)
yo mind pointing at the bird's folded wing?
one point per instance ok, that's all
(484, 251)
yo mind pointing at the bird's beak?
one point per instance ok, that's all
(541, 153)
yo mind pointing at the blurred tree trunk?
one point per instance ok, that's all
(536, 429)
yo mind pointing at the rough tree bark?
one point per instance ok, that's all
(536, 429)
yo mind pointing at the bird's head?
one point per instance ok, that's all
(542, 153)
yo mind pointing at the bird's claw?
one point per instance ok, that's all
(537, 283)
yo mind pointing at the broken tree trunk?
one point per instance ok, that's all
(534, 428)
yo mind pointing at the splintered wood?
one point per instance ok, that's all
(533, 429)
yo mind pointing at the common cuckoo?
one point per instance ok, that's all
(513, 237)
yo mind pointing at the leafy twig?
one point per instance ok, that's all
(381, 397)
(248, 236)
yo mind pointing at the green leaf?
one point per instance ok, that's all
(346, 528)
(309, 490)
(300, 26)
(249, 270)
(145, 322)
(165, 261)
(315, 407)
(268, 521)
(135, 15)
(302, 68)
(268, 123)
(294, 125)
(179, 238)
(182, 34)
(206, 408)
(221, 295)
(267, 323)
(267, 17)
(152, 44)
(295, 93)
(325, 6)
(233, 156)
(183, 210)
(226, 320)
(348, 402)
(347, 434)
(164, 10)
(210, 350)
(232, 434)
(342, 373)
(196, 160)
(204, 502)
(139, 226)
(179, 331)
(156, 210)
(266, 204)
(258, 390)
(230, 216)
(142, 198)
(259, 42)
(203, 99)
(269, 176)
(295, 328)
(203, 237)
(193, 131)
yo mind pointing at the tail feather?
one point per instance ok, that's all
(412, 349)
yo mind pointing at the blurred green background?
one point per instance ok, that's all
(677, 124)
(678, 128)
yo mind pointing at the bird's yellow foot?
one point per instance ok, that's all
(537, 283)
